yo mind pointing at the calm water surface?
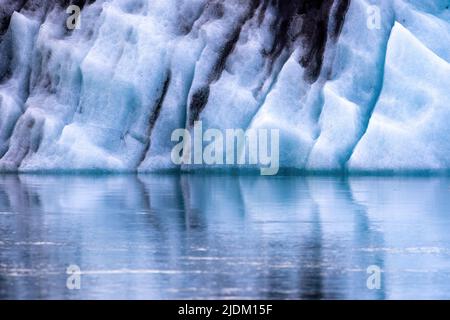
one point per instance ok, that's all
(204, 237)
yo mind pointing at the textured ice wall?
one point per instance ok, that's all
(351, 84)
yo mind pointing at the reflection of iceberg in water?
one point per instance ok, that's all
(169, 236)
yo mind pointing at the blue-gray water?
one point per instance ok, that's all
(196, 237)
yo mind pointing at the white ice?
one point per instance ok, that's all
(109, 95)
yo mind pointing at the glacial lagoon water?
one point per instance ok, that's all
(226, 237)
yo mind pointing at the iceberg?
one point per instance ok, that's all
(351, 85)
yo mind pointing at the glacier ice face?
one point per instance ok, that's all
(345, 94)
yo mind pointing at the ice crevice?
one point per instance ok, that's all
(107, 96)
(367, 115)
